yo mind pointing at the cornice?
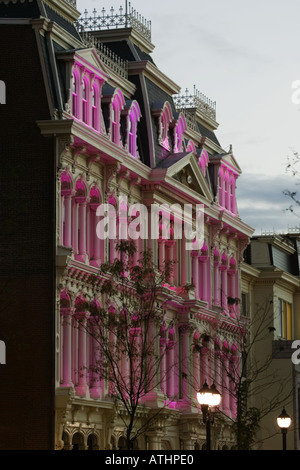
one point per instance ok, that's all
(249, 271)
(64, 9)
(121, 34)
(154, 74)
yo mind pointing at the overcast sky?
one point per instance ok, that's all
(246, 57)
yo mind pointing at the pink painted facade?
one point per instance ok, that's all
(133, 141)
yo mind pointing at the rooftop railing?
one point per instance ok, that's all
(114, 19)
(195, 100)
(107, 56)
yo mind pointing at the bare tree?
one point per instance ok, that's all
(248, 374)
(292, 167)
(126, 330)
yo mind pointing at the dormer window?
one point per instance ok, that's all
(227, 183)
(117, 105)
(133, 115)
(95, 107)
(165, 119)
(179, 130)
(75, 93)
(85, 88)
(86, 93)
(191, 147)
(203, 161)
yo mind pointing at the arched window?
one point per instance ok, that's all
(232, 194)
(85, 103)
(79, 221)
(203, 161)
(226, 190)
(95, 108)
(75, 94)
(117, 105)
(165, 120)
(191, 147)
(66, 209)
(133, 117)
(95, 246)
(180, 128)
(221, 187)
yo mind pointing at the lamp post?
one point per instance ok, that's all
(284, 422)
(208, 398)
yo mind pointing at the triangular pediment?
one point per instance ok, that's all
(186, 172)
(92, 60)
(231, 162)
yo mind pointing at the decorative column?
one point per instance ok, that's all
(224, 294)
(95, 382)
(81, 388)
(66, 331)
(161, 254)
(195, 276)
(205, 373)
(225, 382)
(170, 368)
(171, 257)
(182, 265)
(67, 220)
(184, 331)
(234, 371)
(82, 229)
(163, 358)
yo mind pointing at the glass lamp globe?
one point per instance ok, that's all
(284, 420)
(204, 396)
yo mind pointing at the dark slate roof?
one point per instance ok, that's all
(19, 10)
(55, 17)
(126, 50)
(171, 159)
(207, 133)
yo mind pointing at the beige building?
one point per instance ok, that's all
(271, 299)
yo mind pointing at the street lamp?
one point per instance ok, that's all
(284, 422)
(208, 398)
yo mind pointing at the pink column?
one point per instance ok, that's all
(203, 275)
(74, 226)
(205, 373)
(218, 371)
(170, 368)
(195, 277)
(66, 324)
(95, 244)
(225, 383)
(224, 293)
(81, 388)
(161, 254)
(182, 265)
(234, 369)
(170, 245)
(95, 382)
(68, 220)
(163, 363)
(82, 230)
(216, 284)
(184, 329)
(196, 371)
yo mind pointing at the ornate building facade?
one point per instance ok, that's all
(106, 125)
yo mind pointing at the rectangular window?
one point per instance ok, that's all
(244, 305)
(285, 319)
